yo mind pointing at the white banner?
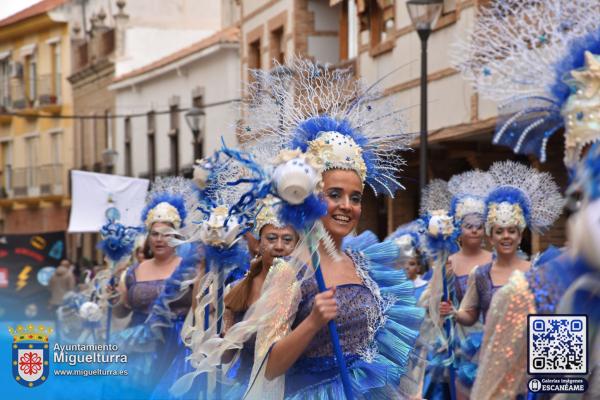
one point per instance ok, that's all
(92, 194)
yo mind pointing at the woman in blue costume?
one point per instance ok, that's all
(332, 142)
(158, 292)
(275, 240)
(469, 191)
(523, 198)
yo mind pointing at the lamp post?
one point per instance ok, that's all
(195, 120)
(424, 15)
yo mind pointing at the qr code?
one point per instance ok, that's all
(557, 344)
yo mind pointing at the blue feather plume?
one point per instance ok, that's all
(303, 216)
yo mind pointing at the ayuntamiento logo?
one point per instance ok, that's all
(30, 354)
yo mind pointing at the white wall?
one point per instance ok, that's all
(218, 74)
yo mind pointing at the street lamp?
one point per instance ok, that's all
(424, 14)
(195, 120)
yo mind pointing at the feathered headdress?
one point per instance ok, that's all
(535, 59)
(522, 197)
(327, 118)
(169, 200)
(469, 191)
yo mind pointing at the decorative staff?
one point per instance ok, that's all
(117, 244)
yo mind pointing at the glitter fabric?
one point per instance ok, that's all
(485, 288)
(142, 294)
(503, 356)
(356, 301)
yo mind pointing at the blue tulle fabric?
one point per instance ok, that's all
(375, 366)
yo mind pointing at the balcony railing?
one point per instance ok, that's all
(45, 90)
(42, 180)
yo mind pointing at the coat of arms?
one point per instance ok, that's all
(30, 354)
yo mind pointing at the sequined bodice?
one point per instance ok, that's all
(460, 285)
(357, 313)
(485, 288)
(142, 294)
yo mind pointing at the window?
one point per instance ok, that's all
(5, 82)
(198, 102)
(56, 147)
(56, 69)
(348, 30)
(254, 57)
(31, 77)
(174, 138)
(151, 119)
(378, 17)
(7, 165)
(128, 155)
(31, 145)
(277, 45)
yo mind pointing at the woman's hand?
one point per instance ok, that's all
(446, 308)
(324, 308)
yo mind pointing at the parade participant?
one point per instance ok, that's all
(275, 240)
(157, 293)
(337, 140)
(469, 191)
(523, 198)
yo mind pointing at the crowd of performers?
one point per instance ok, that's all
(258, 286)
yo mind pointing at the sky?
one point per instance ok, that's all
(10, 7)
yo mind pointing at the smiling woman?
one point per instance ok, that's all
(339, 127)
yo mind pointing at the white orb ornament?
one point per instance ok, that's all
(90, 311)
(295, 180)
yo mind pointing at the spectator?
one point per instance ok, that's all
(61, 282)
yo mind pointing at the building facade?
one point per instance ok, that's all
(153, 138)
(35, 144)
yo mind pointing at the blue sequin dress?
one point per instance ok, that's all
(152, 340)
(377, 324)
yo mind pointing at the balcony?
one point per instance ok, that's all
(40, 94)
(43, 180)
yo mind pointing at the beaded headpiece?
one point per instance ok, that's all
(469, 191)
(267, 215)
(536, 60)
(169, 201)
(522, 197)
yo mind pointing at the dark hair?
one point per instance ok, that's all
(237, 298)
(146, 248)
